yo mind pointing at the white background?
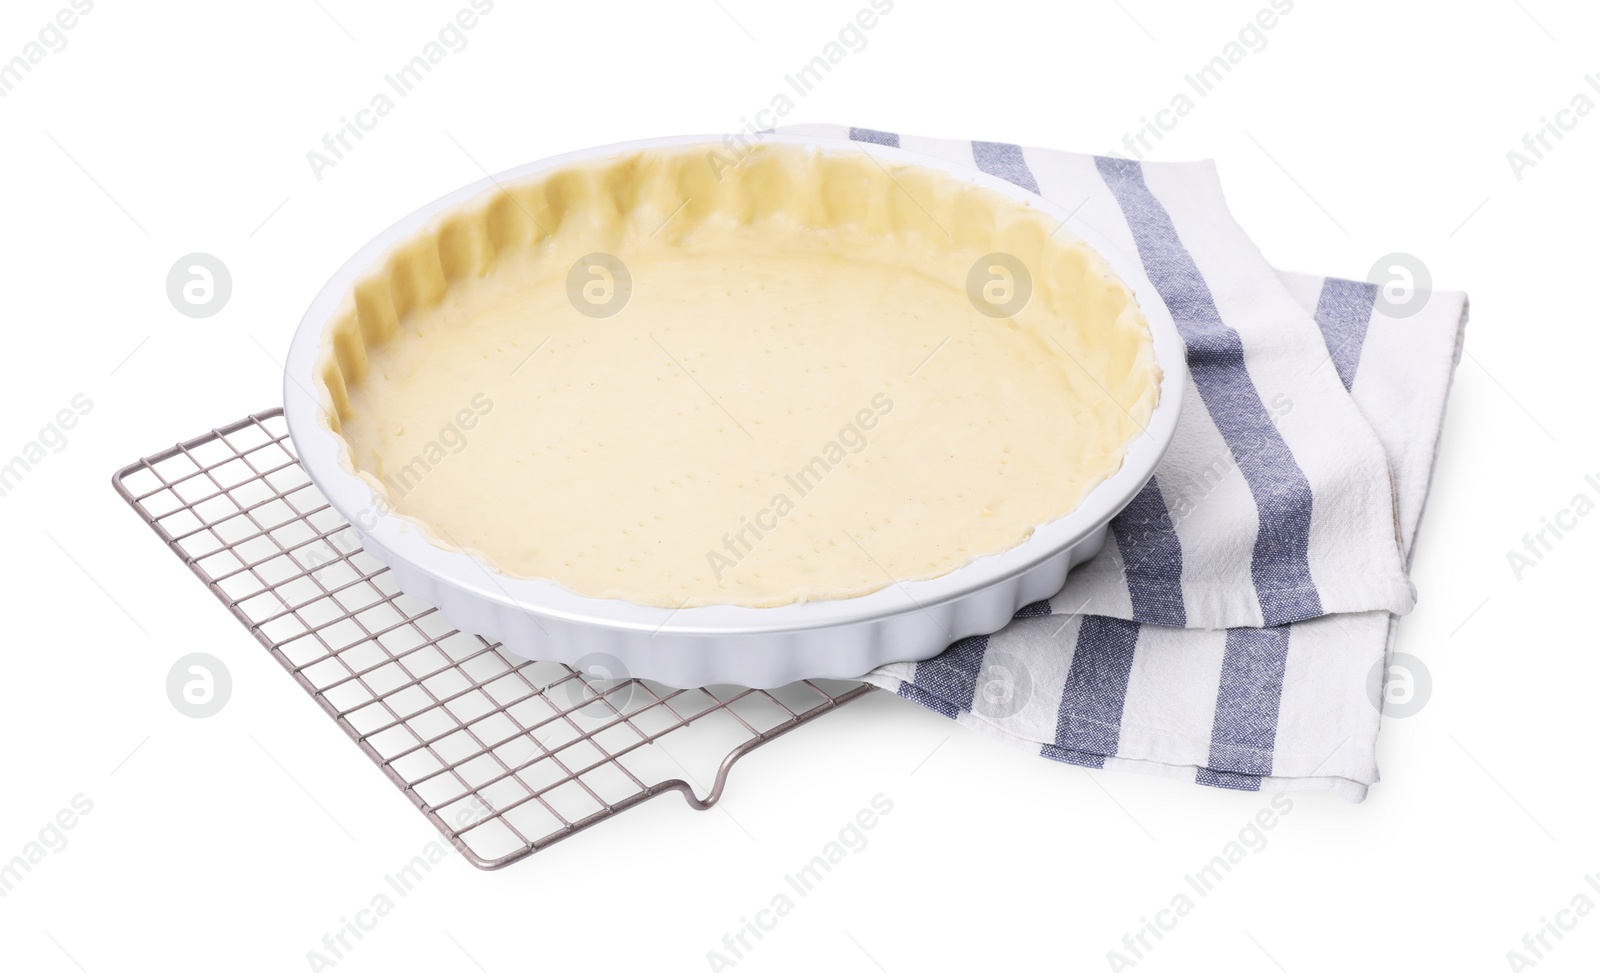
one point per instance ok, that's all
(167, 128)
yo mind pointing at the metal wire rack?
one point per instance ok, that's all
(502, 755)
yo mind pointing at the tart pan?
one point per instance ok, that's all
(718, 644)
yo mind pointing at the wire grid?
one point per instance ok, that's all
(503, 755)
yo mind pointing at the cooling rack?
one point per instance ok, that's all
(502, 755)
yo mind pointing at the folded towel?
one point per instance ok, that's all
(1237, 626)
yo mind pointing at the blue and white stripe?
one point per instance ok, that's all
(1344, 308)
(1283, 497)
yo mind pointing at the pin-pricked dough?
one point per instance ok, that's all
(680, 381)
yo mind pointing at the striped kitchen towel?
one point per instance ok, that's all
(1273, 504)
(1236, 629)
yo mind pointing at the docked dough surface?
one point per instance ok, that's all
(777, 382)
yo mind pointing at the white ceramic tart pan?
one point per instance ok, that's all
(842, 637)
